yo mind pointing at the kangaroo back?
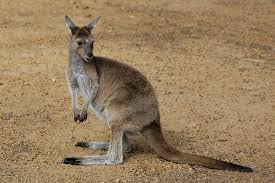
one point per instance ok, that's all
(154, 137)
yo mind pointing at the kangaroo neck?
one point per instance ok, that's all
(76, 62)
(89, 69)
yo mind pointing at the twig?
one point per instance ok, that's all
(253, 60)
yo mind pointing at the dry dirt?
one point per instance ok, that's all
(210, 62)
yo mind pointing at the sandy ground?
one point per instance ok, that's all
(210, 63)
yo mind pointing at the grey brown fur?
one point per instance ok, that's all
(124, 98)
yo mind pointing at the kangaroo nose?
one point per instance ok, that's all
(90, 55)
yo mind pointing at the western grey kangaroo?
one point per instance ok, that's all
(124, 98)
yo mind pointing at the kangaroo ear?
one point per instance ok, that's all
(70, 25)
(92, 25)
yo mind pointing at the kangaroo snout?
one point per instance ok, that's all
(89, 57)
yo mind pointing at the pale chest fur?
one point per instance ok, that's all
(86, 79)
(87, 84)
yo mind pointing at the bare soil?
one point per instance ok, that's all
(210, 63)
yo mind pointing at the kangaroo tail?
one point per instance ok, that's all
(153, 135)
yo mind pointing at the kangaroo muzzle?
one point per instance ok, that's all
(89, 57)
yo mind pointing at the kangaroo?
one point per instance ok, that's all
(124, 98)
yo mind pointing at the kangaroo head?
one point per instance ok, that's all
(82, 40)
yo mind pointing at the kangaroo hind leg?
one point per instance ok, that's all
(105, 145)
(114, 155)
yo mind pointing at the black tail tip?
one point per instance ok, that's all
(72, 161)
(245, 169)
(239, 168)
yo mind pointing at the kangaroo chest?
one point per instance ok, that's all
(88, 86)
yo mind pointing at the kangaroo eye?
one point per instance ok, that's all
(79, 43)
